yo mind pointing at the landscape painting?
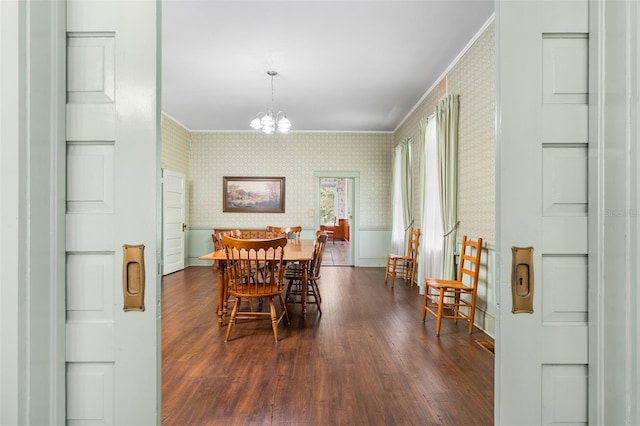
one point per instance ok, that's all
(253, 194)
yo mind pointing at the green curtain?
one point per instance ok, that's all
(407, 183)
(447, 113)
(402, 195)
(397, 226)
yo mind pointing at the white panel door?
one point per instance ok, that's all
(172, 221)
(112, 356)
(542, 357)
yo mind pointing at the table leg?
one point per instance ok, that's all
(222, 292)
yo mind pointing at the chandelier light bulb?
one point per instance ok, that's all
(255, 124)
(267, 119)
(284, 125)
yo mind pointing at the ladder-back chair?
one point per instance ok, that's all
(404, 265)
(444, 298)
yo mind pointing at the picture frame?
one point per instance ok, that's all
(252, 194)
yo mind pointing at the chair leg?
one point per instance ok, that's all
(424, 304)
(284, 308)
(288, 294)
(274, 318)
(439, 317)
(472, 314)
(386, 269)
(316, 294)
(413, 272)
(393, 272)
(456, 307)
(232, 319)
(292, 290)
(317, 290)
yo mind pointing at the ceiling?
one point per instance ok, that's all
(348, 65)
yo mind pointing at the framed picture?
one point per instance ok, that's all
(253, 194)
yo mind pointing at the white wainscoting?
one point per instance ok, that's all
(198, 243)
(374, 245)
(485, 317)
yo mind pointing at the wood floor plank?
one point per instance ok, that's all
(368, 359)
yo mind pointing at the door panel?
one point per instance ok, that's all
(541, 357)
(172, 221)
(112, 356)
(564, 394)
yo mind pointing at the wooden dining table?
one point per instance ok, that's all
(295, 251)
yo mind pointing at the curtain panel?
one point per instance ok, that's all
(397, 216)
(430, 254)
(407, 183)
(447, 117)
(402, 194)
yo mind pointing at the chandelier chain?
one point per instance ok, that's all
(272, 103)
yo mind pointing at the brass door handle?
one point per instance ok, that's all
(522, 279)
(133, 277)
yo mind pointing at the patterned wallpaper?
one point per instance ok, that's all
(296, 156)
(473, 78)
(176, 147)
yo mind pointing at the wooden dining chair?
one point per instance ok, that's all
(451, 298)
(216, 237)
(254, 271)
(294, 276)
(405, 265)
(330, 230)
(292, 233)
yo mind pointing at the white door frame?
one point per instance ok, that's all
(354, 202)
(614, 211)
(32, 211)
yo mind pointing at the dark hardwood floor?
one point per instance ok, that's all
(367, 360)
(336, 253)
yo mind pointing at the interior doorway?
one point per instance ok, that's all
(335, 214)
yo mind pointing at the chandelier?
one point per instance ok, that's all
(270, 121)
